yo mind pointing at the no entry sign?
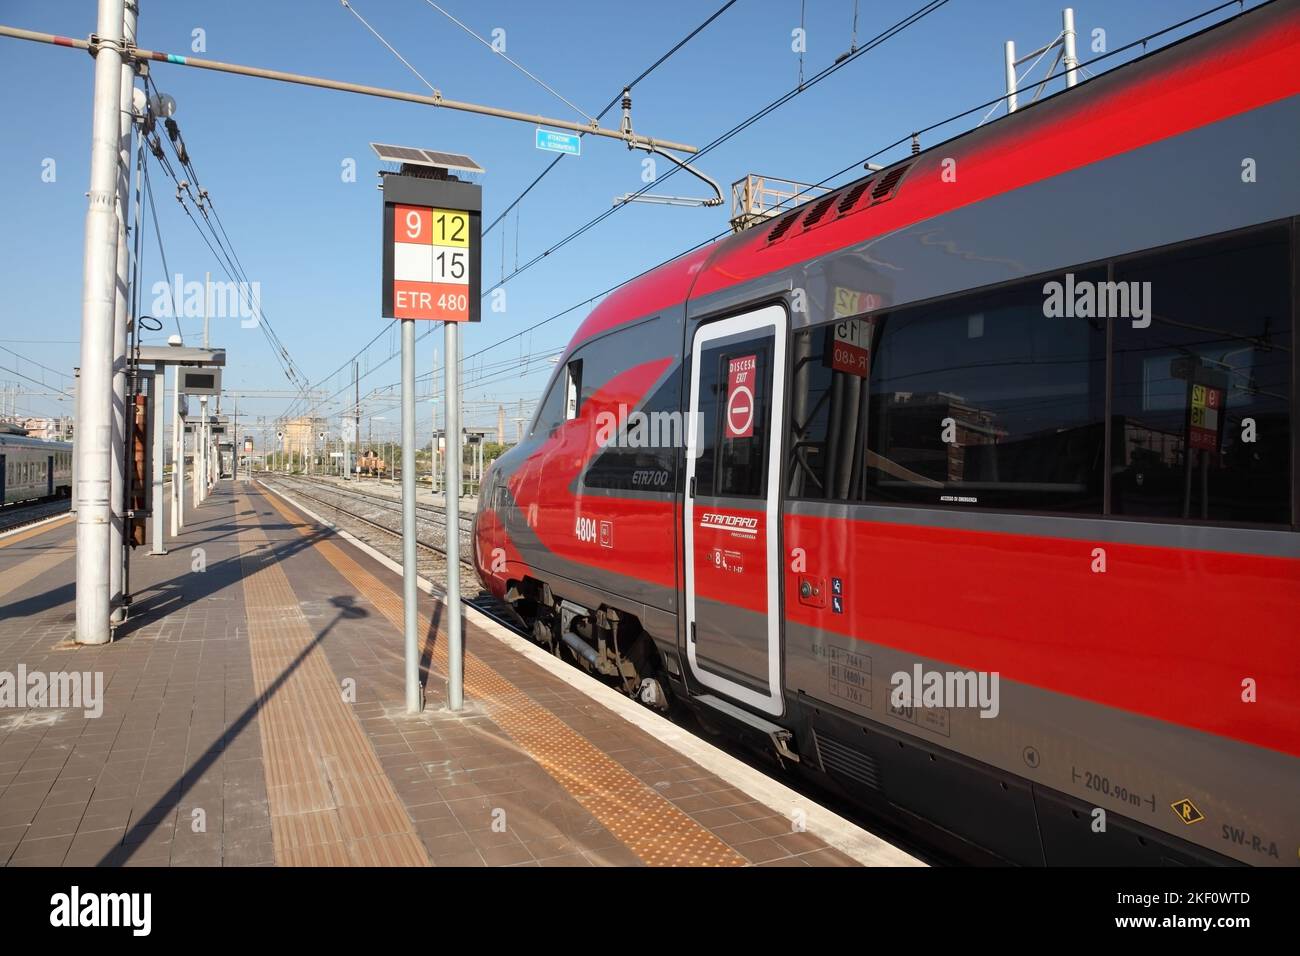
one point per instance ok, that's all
(431, 249)
(741, 375)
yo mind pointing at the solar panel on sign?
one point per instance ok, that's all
(425, 157)
(398, 154)
(453, 161)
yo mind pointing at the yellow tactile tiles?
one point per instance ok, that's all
(641, 818)
(32, 568)
(331, 803)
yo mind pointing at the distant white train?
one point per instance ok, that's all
(31, 469)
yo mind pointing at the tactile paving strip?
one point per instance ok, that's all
(641, 818)
(33, 568)
(331, 802)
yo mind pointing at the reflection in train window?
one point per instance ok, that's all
(643, 457)
(978, 401)
(1201, 425)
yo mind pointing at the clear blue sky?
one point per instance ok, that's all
(271, 154)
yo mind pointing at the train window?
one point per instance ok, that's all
(1201, 424)
(829, 365)
(989, 401)
(572, 389)
(644, 457)
(983, 401)
(734, 431)
(551, 411)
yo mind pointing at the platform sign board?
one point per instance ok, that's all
(432, 249)
(555, 142)
(199, 381)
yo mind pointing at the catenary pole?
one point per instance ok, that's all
(117, 481)
(95, 429)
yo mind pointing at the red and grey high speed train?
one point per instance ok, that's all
(969, 488)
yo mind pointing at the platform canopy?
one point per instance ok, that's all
(180, 355)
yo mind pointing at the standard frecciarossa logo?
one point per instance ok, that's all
(740, 524)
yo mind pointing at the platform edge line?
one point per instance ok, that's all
(37, 525)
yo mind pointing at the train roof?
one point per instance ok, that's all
(7, 439)
(1225, 69)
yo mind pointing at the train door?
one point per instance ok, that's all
(3, 472)
(49, 476)
(732, 507)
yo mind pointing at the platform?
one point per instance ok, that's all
(253, 715)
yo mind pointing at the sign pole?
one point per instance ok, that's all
(409, 572)
(432, 271)
(451, 503)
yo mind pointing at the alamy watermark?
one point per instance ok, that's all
(72, 690)
(133, 911)
(224, 300)
(1085, 299)
(638, 429)
(925, 688)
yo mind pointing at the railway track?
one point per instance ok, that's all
(377, 520)
(431, 561)
(13, 518)
(380, 500)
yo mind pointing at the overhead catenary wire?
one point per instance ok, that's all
(662, 59)
(852, 166)
(512, 62)
(904, 139)
(162, 253)
(204, 203)
(858, 163)
(34, 381)
(892, 31)
(608, 106)
(220, 244)
(365, 23)
(43, 368)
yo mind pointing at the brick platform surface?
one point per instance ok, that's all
(253, 714)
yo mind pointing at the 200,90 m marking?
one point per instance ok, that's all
(1101, 784)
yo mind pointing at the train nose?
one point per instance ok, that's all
(480, 530)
